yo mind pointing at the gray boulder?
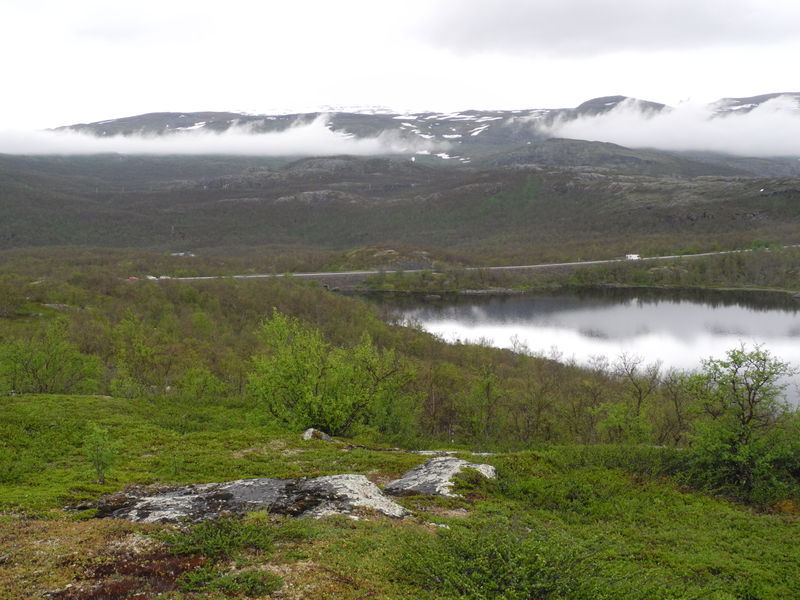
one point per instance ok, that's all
(335, 494)
(435, 477)
(316, 434)
(317, 497)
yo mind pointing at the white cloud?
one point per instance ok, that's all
(88, 60)
(586, 27)
(311, 139)
(772, 129)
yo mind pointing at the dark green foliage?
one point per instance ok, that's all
(654, 540)
(759, 268)
(646, 460)
(12, 300)
(502, 559)
(184, 349)
(496, 215)
(47, 362)
(306, 382)
(244, 583)
(745, 438)
(221, 539)
(100, 450)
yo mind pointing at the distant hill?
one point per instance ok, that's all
(502, 191)
(553, 199)
(491, 137)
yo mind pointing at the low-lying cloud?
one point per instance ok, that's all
(310, 139)
(771, 129)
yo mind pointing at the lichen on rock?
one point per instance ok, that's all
(316, 434)
(435, 477)
(315, 497)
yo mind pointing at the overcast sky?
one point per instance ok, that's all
(89, 60)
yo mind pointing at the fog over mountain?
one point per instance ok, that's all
(759, 126)
(300, 139)
(771, 128)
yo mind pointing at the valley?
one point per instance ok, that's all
(177, 319)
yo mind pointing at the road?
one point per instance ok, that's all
(360, 275)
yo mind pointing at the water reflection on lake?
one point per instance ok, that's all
(678, 328)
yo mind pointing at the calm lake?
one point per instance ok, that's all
(679, 328)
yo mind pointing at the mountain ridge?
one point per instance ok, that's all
(456, 137)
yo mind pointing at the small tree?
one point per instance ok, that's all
(99, 450)
(744, 390)
(305, 382)
(12, 301)
(48, 362)
(738, 441)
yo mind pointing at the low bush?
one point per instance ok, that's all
(220, 539)
(247, 583)
(501, 559)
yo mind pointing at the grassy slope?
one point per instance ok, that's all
(637, 536)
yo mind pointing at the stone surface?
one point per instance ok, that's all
(316, 434)
(317, 497)
(192, 502)
(435, 477)
(335, 494)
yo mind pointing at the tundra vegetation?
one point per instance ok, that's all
(619, 481)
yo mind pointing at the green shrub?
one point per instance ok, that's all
(12, 301)
(99, 450)
(220, 539)
(652, 461)
(500, 559)
(223, 540)
(47, 362)
(305, 382)
(247, 583)
(742, 444)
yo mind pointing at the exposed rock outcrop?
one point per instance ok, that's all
(316, 434)
(304, 497)
(334, 494)
(435, 477)
(317, 497)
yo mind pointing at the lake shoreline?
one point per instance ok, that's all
(678, 327)
(433, 294)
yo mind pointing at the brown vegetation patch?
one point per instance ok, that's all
(129, 576)
(46, 554)
(129, 567)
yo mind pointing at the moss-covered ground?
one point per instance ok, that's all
(561, 522)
